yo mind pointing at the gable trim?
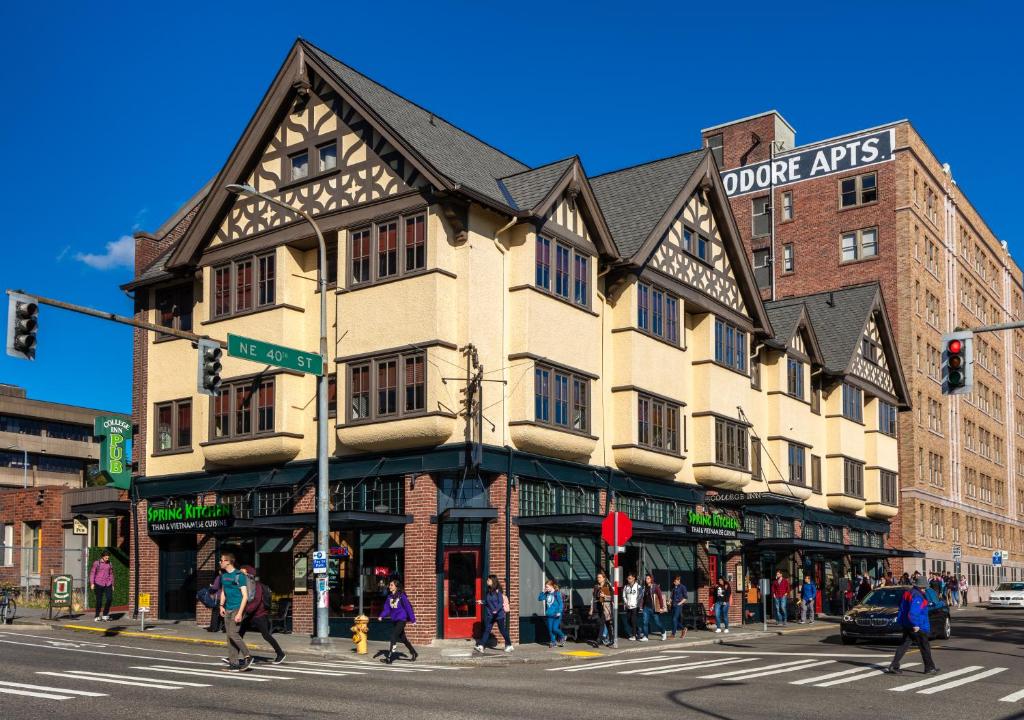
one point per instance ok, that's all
(591, 211)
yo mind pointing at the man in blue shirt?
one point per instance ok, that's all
(913, 616)
(234, 596)
(808, 596)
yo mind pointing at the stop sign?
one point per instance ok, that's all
(609, 524)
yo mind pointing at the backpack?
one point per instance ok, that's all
(504, 603)
(256, 597)
(267, 598)
(208, 597)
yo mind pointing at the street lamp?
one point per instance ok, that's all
(322, 525)
(24, 464)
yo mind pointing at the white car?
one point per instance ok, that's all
(1008, 594)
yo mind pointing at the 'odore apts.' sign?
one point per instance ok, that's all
(835, 157)
(712, 524)
(188, 518)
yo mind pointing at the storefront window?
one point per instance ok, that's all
(651, 509)
(537, 497)
(361, 563)
(570, 560)
(461, 492)
(270, 554)
(379, 495)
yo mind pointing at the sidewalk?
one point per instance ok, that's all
(453, 652)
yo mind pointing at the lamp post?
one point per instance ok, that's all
(24, 464)
(320, 636)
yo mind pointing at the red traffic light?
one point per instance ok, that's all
(955, 346)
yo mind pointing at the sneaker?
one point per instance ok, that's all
(726, 630)
(106, 618)
(561, 643)
(479, 648)
(551, 645)
(510, 648)
(280, 659)
(664, 636)
(226, 661)
(718, 630)
(932, 671)
(892, 671)
(245, 664)
(414, 656)
(97, 619)
(643, 639)
(231, 668)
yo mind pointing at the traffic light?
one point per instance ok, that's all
(957, 362)
(209, 367)
(22, 322)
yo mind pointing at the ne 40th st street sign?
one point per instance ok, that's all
(279, 355)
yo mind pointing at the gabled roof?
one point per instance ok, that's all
(635, 199)
(786, 322)
(526, 190)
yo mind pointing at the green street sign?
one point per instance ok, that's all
(270, 354)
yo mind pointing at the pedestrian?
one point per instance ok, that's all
(808, 596)
(234, 596)
(601, 610)
(889, 579)
(954, 592)
(864, 589)
(256, 616)
(780, 594)
(213, 593)
(553, 606)
(936, 583)
(631, 592)
(679, 598)
(398, 610)
(843, 590)
(905, 579)
(495, 613)
(964, 586)
(652, 605)
(913, 616)
(101, 582)
(722, 595)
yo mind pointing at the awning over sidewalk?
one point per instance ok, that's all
(104, 508)
(570, 521)
(347, 519)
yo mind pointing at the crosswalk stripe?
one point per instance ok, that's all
(329, 673)
(202, 673)
(742, 675)
(863, 676)
(613, 663)
(936, 679)
(962, 681)
(373, 666)
(30, 693)
(818, 655)
(686, 666)
(1013, 697)
(114, 680)
(85, 693)
(841, 673)
(747, 670)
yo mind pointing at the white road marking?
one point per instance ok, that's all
(791, 663)
(596, 665)
(936, 678)
(962, 681)
(782, 654)
(366, 665)
(29, 693)
(841, 673)
(864, 676)
(329, 673)
(743, 676)
(85, 693)
(702, 664)
(107, 654)
(91, 643)
(205, 673)
(115, 680)
(1013, 697)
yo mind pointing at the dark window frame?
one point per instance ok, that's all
(549, 399)
(887, 418)
(732, 444)
(229, 394)
(853, 478)
(175, 409)
(173, 296)
(740, 362)
(760, 214)
(372, 390)
(794, 377)
(850, 393)
(658, 313)
(858, 191)
(716, 143)
(292, 157)
(256, 262)
(663, 436)
(889, 491)
(547, 271)
(370, 262)
(797, 465)
(816, 474)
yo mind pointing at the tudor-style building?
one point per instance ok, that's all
(513, 352)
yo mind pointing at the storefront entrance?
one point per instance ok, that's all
(178, 578)
(463, 588)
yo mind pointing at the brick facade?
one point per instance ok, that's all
(32, 506)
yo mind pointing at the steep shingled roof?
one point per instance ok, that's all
(526, 189)
(634, 199)
(784, 319)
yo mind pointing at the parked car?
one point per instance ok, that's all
(1008, 594)
(875, 617)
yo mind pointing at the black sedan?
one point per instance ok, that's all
(874, 617)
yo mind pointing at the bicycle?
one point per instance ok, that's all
(8, 608)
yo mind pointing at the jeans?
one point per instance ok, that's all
(648, 614)
(921, 638)
(555, 633)
(780, 610)
(722, 615)
(632, 622)
(955, 598)
(807, 611)
(104, 596)
(237, 649)
(677, 619)
(489, 624)
(261, 624)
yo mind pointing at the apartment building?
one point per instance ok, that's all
(513, 352)
(878, 205)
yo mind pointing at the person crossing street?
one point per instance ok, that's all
(913, 616)
(234, 596)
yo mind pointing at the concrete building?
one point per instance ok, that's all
(878, 205)
(514, 351)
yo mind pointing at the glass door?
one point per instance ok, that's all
(462, 591)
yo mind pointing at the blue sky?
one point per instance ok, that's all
(115, 115)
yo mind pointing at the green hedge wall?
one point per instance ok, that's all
(119, 561)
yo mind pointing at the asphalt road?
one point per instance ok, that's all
(806, 675)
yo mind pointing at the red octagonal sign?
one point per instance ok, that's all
(608, 525)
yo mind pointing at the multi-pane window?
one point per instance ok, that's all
(657, 424)
(387, 387)
(244, 284)
(816, 474)
(328, 155)
(859, 244)
(299, 163)
(695, 243)
(174, 307)
(797, 455)
(795, 378)
(730, 346)
(730, 444)
(331, 246)
(762, 220)
(887, 418)
(561, 398)
(890, 488)
(853, 403)
(572, 271)
(657, 312)
(173, 426)
(787, 206)
(244, 408)
(332, 395)
(853, 478)
(715, 144)
(787, 258)
(858, 190)
(388, 249)
(755, 458)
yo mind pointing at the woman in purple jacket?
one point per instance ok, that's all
(398, 610)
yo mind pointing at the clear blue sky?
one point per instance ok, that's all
(114, 116)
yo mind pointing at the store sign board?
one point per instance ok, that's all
(79, 525)
(187, 517)
(115, 459)
(712, 524)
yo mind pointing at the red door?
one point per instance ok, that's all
(462, 590)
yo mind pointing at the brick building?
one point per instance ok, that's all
(878, 205)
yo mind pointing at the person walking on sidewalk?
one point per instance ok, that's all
(780, 594)
(398, 610)
(631, 592)
(721, 594)
(495, 613)
(101, 582)
(553, 606)
(652, 605)
(213, 593)
(601, 610)
(234, 596)
(679, 598)
(913, 616)
(954, 592)
(256, 616)
(808, 596)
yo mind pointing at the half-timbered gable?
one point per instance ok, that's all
(870, 362)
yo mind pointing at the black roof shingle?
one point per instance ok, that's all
(526, 189)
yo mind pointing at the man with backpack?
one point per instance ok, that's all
(257, 613)
(234, 596)
(913, 616)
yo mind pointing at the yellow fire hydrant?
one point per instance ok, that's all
(360, 629)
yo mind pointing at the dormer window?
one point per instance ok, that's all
(328, 156)
(299, 165)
